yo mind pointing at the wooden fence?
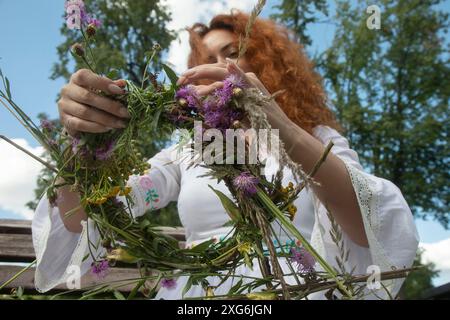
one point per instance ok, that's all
(16, 247)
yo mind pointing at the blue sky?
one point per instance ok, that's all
(29, 36)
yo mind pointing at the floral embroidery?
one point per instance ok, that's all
(151, 195)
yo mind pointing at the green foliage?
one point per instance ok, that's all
(390, 90)
(130, 29)
(418, 281)
(298, 14)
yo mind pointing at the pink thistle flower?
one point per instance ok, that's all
(100, 269)
(105, 152)
(168, 283)
(246, 183)
(305, 261)
(188, 93)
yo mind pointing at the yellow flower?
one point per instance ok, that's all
(126, 191)
(292, 210)
(114, 191)
(97, 201)
(245, 247)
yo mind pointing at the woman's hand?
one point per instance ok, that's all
(83, 110)
(218, 72)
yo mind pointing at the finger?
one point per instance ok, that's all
(91, 114)
(75, 124)
(121, 83)
(84, 96)
(204, 90)
(215, 72)
(88, 79)
(250, 78)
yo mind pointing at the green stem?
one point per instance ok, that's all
(291, 228)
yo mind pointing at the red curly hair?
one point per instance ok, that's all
(279, 62)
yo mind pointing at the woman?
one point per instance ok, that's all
(376, 222)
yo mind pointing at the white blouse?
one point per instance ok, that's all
(388, 222)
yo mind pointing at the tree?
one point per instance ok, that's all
(390, 90)
(418, 281)
(130, 29)
(298, 14)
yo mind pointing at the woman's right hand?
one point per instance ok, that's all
(82, 110)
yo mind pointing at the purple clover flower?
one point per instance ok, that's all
(100, 269)
(305, 261)
(246, 183)
(219, 116)
(168, 283)
(75, 144)
(188, 93)
(47, 125)
(105, 152)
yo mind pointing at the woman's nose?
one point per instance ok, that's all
(221, 60)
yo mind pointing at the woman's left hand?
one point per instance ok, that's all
(218, 72)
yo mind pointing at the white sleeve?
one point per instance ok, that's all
(388, 221)
(61, 254)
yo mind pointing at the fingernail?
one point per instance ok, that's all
(124, 113)
(114, 89)
(121, 124)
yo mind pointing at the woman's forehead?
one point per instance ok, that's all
(217, 40)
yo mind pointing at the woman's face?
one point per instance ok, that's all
(222, 44)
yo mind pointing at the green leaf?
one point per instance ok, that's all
(118, 295)
(202, 246)
(228, 204)
(136, 289)
(235, 288)
(170, 74)
(8, 88)
(113, 74)
(187, 286)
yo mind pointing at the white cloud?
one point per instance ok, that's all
(439, 254)
(187, 12)
(18, 173)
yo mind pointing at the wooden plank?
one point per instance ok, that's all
(11, 226)
(26, 280)
(15, 226)
(16, 248)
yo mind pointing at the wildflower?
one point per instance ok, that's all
(125, 192)
(78, 50)
(105, 152)
(246, 247)
(305, 261)
(187, 97)
(292, 210)
(47, 125)
(94, 22)
(237, 92)
(91, 30)
(100, 269)
(246, 183)
(168, 283)
(235, 81)
(114, 191)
